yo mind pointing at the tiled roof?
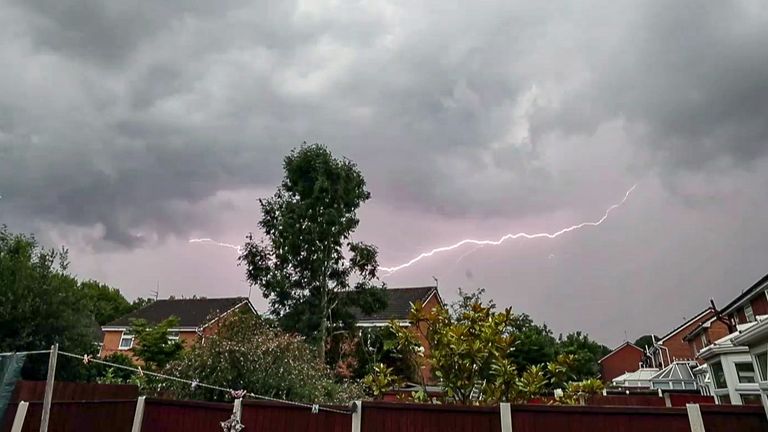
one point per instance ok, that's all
(399, 301)
(190, 312)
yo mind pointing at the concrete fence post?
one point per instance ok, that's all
(694, 417)
(48, 397)
(357, 416)
(138, 415)
(506, 417)
(21, 414)
(238, 409)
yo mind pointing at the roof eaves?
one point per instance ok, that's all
(746, 295)
(684, 325)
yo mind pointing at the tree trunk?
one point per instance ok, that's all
(323, 330)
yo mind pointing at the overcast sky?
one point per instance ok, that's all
(127, 128)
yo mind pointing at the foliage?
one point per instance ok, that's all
(107, 374)
(381, 380)
(578, 392)
(140, 302)
(105, 303)
(306, 264)
(248, 354)
(153, 346)
(40, 304)
(472, 347)
(585, 352)
(645, 341)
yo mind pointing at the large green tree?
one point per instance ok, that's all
(105, 303)
(307, 265)
(41, 304)
(586, 353)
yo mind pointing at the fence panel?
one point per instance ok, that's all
(727, 418)
(80, 416)
(74, 391)
(162, 415)
(276, 417)
(680, 400)
(393, 417)
(540, 418)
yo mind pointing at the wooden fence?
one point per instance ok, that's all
(189, 416)
(72, 391)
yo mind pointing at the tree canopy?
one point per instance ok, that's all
(645, 341)
(585, 351)
(40, 303)
(307, 265)
(105, 303)
(246, 353)
(153, 344)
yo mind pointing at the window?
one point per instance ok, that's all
(718, 376)
(724, 399)
(126, 340)
(749, 313)
(173, 335)
(704, 342)
(750, 399)
(745, 372)
(762, 365)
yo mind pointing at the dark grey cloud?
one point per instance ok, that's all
(122, 126)
(689, 76)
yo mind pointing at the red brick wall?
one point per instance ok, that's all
(760, 304)
(678, 348)
(421, 331)
(626, 359)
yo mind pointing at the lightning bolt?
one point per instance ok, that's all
(506, 237)
(237, 248)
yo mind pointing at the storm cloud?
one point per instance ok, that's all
(125, 128)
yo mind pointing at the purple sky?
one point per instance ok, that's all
(126, 129)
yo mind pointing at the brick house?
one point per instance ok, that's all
(627, 357)
(735, 367)
(750, 304)
(399, 302)
(707, 333)
(673, 346)
(198, 318)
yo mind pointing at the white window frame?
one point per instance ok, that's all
(704, 341)
(173, 335)
(125, 335)
(758, 370)
(749, 313)
(754, 372)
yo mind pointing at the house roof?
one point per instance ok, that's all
(642, 374)
(677, 371)
(682, 326)
(746, 295)
(619, 348)
(190, 312)
(399, 301)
